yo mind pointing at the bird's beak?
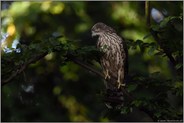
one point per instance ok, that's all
(93, 34)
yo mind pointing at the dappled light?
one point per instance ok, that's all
(50, 64)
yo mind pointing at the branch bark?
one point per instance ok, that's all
(23, 67)
(80, 63)
(38, 57)
(168, 54)
(86, 66)
(147, 12)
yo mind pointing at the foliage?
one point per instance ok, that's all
(42, 82)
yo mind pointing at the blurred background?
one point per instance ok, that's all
(50, 90)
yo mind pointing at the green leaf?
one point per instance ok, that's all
(178, 66)
(131, 87)
(152, 49)
(160, 53)
(178, 85)
(126, 110)
(146, 36)
(157, 114)
(139, 42)
(155, 28)
(57, 90)
(164, 22)
(137, 103)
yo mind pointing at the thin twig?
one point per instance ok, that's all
(82, 64)
(23, 67)
(168, 54)
(86, 66)
(147, 12)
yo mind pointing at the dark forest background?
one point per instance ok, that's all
(45, 47)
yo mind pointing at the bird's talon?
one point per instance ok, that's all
(119, 85)
(107, 75)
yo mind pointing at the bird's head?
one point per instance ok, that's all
(100, 28)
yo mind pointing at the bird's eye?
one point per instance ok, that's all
(97, 29)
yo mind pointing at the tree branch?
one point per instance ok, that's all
(147, 12)
(38, 57)
(23, 67)
(75, 60)
(88, 67)
(168, 54)
(85, 65)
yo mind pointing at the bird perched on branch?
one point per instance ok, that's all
(113, 62)
(114, 58)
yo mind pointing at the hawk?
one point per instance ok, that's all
(114, 57)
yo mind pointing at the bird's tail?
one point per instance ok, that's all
(114, 97)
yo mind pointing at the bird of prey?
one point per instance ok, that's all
(114, 55)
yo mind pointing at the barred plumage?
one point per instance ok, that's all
(113, 60)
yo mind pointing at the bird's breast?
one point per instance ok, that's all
(103, 44)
